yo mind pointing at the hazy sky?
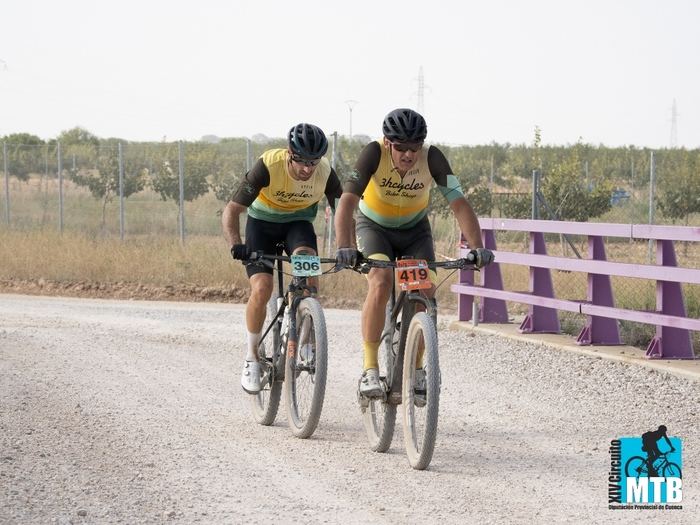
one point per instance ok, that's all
(603, 71)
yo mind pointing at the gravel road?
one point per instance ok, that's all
(131, 412)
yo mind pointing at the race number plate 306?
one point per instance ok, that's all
(306, 265)
(412, 274)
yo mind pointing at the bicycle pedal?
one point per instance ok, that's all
(362, 401)
(395, 398)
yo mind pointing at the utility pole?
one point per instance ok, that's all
(674, 125)
(351, 104)
(421, 90)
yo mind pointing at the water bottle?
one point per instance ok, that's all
(285, 324)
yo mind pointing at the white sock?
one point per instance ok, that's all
(253, 340)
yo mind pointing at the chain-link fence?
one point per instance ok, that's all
(119, 190)
(111, 188)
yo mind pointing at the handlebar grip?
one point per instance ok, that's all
(472, 256)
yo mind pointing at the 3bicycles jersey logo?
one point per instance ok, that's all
(292, 195)
(401, 186)
(646, 472)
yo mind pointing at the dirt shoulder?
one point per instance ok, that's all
(145, 292)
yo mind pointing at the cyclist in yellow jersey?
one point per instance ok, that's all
(281, 194)
(391, 185)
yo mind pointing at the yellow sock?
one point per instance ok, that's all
(370, 351)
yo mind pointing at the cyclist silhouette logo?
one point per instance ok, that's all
(646, 469)
(650, 445)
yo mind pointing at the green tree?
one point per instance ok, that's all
(165, 181)
(565, 191)
(515, 205)
(679, 185)
(481, 200)
(76, 136)
(103, 180)
(25, 155)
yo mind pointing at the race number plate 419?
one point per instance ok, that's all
(412, 274)
(306, 265)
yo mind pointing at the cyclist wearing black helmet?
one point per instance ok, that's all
(281, 194)
(391, 185)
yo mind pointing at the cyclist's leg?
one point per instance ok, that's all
(301, 239)
(260, 290)
(259, 236)
(373, 242)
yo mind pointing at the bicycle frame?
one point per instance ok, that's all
(398, 305)
(295, 290)
(295, 362)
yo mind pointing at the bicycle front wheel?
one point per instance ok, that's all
(671, 470)
(265, 404)
(420, 407)
(305, 373)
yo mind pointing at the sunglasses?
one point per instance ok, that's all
(305, 162)
(407, 146)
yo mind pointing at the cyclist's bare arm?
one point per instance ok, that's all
(468, 222)
(668, 442)
(344, 219)
(231, 223)
(248, 189)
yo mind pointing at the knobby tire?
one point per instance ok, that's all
(420, 423)
(302, 374)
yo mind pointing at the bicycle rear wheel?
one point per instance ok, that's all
(379, 417)
(635, 467)
(305, 373)
(266, 403)
(420, 422)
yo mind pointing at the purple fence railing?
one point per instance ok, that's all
(673, 326)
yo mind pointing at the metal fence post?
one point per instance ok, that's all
(652, 189)
(535, 190)
(181, 162)
(7, 183)
(60, 187)
(329, 224)
(121, 193)
(248, 156)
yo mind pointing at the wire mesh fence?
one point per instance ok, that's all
(116, 190)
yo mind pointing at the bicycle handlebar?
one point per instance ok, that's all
(469, 262)
(255, 257)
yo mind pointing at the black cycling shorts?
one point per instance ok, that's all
(415, 242)
(265, 236)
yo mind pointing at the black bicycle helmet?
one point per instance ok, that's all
(405, 125)
(307, 141)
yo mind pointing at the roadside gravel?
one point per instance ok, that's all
(131, 412)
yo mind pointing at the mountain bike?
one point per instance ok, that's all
(293, 350)
(408, 348)
(636, 467)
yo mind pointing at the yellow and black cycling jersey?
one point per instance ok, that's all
(391, 200)
(272, 194)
